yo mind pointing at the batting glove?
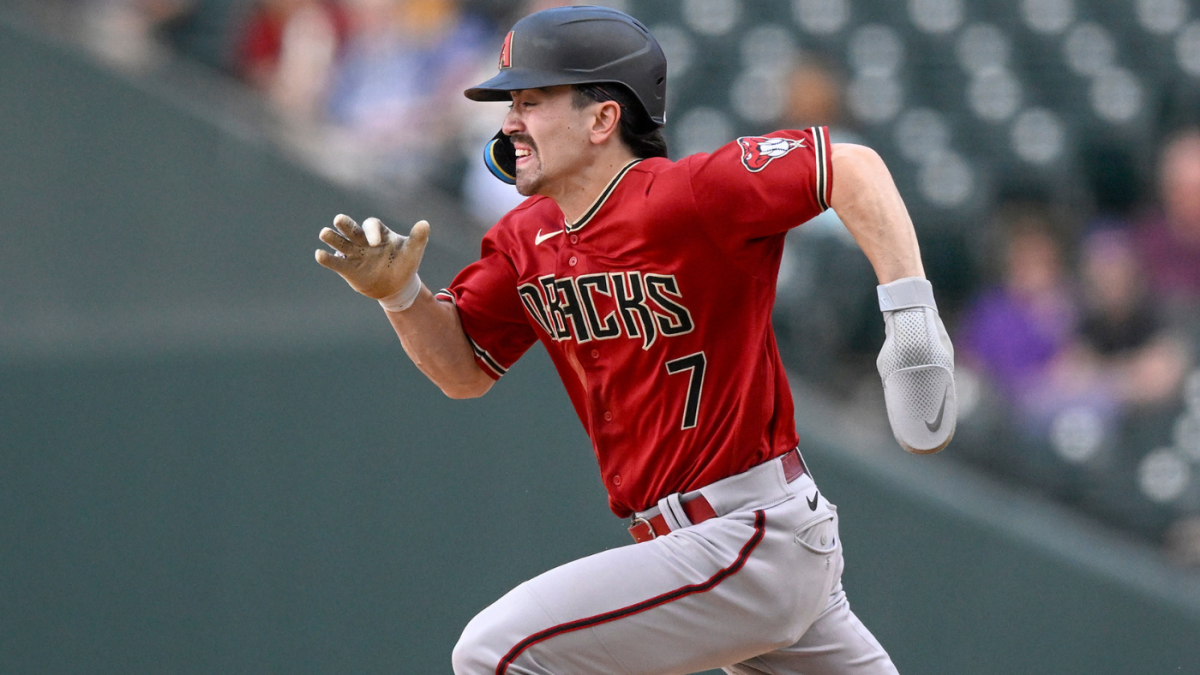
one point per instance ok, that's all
(917, 367)
(375, 261)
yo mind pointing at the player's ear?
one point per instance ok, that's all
(606, 120)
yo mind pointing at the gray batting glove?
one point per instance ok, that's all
(375, 261)
(917, 367)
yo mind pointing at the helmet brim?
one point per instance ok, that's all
(499, 88)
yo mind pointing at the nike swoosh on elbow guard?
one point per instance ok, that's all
(937, 421)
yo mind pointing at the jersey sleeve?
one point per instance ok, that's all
(758, 186)
(490, 309)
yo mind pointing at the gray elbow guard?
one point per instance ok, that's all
(917, 367)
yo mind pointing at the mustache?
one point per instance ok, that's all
(522, 138)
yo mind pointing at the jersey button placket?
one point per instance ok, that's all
(608, 415)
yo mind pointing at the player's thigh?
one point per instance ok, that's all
(705, 597)
(837, 643)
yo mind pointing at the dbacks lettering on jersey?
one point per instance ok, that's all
(604, 306)
(759, 151)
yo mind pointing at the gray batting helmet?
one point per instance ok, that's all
(581, 45)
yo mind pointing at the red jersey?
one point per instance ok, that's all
(656, 309)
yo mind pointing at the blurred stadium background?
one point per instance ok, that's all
(215, 458)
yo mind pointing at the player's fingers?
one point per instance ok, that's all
(418, 237)
(333, 262)
(337, 241)
(350, 229)
(376, 231)
(344, 223)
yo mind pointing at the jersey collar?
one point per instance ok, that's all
(612, 185)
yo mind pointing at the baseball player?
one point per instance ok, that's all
(650, 283)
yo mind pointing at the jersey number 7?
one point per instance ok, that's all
(694, 363)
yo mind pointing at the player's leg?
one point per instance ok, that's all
(695, 600)
(703, 597)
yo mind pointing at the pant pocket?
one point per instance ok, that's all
(819, 535)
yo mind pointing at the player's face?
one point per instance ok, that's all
(550, 135)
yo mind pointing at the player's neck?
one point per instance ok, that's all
(578, 191)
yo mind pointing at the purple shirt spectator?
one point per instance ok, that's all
(1014, 340)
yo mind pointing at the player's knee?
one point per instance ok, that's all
(467, 658)
(476, 652)
(492, 634)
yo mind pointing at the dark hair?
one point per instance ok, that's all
(642, 136)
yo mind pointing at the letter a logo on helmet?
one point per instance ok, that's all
(758, 151)
(506, 52)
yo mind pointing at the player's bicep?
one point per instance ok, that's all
(871, 208)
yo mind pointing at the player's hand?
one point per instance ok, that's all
(371, 258)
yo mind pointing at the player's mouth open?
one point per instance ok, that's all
(523, 154)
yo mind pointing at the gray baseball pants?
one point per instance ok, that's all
(756, 591)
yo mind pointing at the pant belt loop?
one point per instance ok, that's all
(803, 463)
(673, 513)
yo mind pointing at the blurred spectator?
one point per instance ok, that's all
(1017, 331)
(125, 31)
(814, 97)
(1123, 331)
(1088, 369)
(1170, 239)
(396, 92)
(288, 50)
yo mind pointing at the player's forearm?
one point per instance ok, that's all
(433, 337)
(866, 199)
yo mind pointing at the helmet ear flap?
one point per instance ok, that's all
(501, 158)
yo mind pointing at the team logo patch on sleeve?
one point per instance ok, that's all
(758, 151)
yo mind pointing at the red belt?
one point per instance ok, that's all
(699, 510)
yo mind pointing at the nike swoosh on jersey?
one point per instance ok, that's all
(937, 421)
(812, 503)
(543, 237)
